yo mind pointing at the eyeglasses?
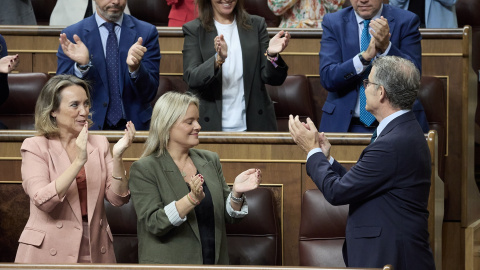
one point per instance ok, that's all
(366, 82)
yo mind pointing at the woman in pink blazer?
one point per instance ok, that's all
(67, 173)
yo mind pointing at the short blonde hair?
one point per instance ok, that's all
(170, 107)
(49, 101)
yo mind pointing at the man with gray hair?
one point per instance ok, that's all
(388, 188)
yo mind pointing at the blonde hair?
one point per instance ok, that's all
(49, 101)
(170, 107)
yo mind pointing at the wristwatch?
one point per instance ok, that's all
(364, 61)
(84, 67)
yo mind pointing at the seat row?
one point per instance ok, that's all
(298, 95)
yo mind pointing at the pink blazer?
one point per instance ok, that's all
(54, 229)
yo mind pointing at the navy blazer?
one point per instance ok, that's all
(340, 44)
(388, 193)
(4, 91)
(136, 93)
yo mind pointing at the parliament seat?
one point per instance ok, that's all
(169, 83)
(43, 9)
(18, 111)
(123, 225)
(260, 8)
(250, 241)
(432, 95)
(322, 231)
(152, 11)
(292, 97)
(255, 240)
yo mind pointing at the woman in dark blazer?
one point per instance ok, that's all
(227, 59)
(179, 193)
(7, 64)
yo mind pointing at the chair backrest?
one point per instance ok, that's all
(123, 225)
(169, 83)
(255, 240)
(18, 111)
(43, 9)
(260, 8)
(292, 97)
(322, 231)
(152, 11)
(432, 95)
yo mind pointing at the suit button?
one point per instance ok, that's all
(59, 224)
(103, 250)
(53, 252)
(105, 104)
(207, 119)
(101, 221)
(260, 111)
(99, 127)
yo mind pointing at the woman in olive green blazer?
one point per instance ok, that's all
(179, 193)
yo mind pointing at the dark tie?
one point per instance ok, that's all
(89, 10)
(366, 117)
(114, 111)
(374, 136)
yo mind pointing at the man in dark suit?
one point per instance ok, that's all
(123, 86)
(389, 186)
(345, 59)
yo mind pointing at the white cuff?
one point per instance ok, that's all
(237, 214)
(172, 214)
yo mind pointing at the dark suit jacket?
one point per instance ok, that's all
(388, 192)
(4, 91)
(136, 93)
(199, 73)
(340, 44)
(156, 182)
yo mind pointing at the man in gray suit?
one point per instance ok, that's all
(17, 12)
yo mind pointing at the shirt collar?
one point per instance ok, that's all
(360, 19)
(101, 21)
(388, 119)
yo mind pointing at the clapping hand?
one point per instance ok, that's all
(125, 141)
(9, 63)
(135, 55)
(221, 47)
(81, 143)
(77, 51)
(278, 43)
(196, 188)
(380, 31)
(246, 181)
(304, 135)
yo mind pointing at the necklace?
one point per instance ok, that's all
(184, 174)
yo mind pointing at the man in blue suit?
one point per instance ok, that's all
(123, 86)
(389, 186)
(344, 63)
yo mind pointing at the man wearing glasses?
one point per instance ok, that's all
(388, 188)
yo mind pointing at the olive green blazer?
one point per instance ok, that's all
(154, 183)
